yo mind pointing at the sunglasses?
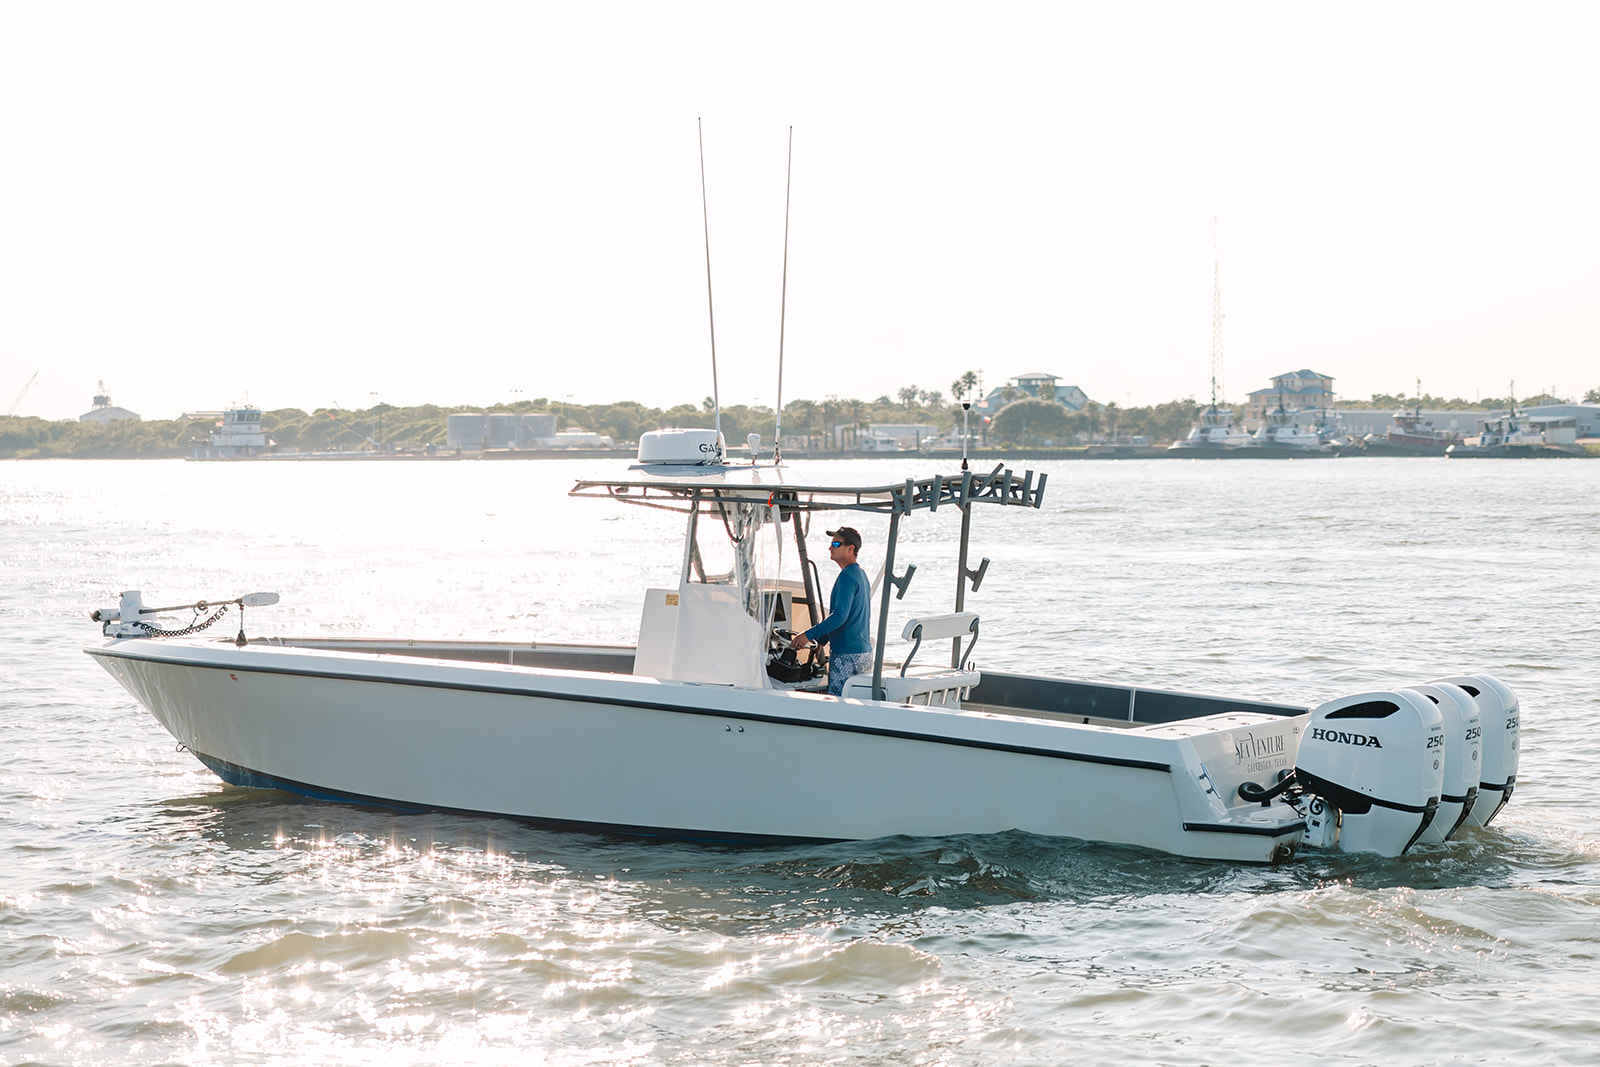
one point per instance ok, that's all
(837, 544)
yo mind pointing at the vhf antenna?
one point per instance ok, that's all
(705, 215)
(783, 303)
(1216, 314)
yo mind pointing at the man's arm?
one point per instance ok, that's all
(839, 610)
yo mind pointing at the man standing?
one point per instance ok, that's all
(847, 627)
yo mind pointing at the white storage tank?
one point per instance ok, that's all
(464, 430)
(535, 428)
(501, 430)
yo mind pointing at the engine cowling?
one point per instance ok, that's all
(1502, 728)
(1378, 758)
(1463, 759)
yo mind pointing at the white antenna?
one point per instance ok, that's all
(783, 303)
(716, 396)
(1216, 314)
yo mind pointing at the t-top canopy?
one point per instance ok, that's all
(685, 488)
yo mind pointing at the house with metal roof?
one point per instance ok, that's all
(1300, 390)
(1035, 384)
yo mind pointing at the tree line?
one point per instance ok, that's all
(833, 422)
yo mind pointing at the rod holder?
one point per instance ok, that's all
(902, 581)
(976, 576)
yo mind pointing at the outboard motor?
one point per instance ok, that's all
(1377, 760)
(1502, 716)
(1463, 759)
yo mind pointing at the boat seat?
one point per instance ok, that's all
(934, 627)
(946, 686)
(921, 685)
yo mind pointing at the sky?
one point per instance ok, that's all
(331, 204)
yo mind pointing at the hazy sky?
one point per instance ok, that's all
(315, 203)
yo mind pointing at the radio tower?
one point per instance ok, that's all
(1216, 316)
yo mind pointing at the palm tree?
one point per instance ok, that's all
(804, 413)
(1091, 415)
(830, 418)
(855, 408)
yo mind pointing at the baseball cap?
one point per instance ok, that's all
(848, 535)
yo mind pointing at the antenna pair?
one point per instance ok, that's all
(783, 305)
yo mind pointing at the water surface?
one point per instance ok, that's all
(148, 914)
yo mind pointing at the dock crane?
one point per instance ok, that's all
(12, 410)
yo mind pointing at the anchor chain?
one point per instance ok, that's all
(192, 628)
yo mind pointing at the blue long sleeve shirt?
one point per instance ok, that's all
(849, 607)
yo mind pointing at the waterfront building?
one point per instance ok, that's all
(474, 431)
(1300, 390)
(1586, 416)
(906, 436)
(1036, 384)
(1358, 422)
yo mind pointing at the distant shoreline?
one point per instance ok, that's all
(1088, 453)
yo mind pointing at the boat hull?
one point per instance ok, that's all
(638, 755)
(1206, 450)
(1390, 446)
(1269, 451)
(1515, 452)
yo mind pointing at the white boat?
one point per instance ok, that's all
(1281, 438)
(709, 727)
(238, 435)
(1509, 437)
(1212, 436)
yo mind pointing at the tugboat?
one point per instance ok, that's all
(1511, 437)
(1212, 437)
(1411, 435)
(1281, 438)
(238, 435)
(1330, 428)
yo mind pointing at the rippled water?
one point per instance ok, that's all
(148, 914)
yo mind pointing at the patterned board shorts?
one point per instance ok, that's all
(841, 668)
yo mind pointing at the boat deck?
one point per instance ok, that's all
(999, 693)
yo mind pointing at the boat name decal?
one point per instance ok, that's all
(1251, 747)
(1359, 740)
